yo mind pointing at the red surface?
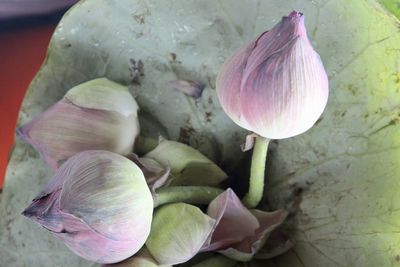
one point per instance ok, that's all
(21, 54)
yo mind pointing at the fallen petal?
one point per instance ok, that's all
(234, 222)
(246, 249)
(178, 232)
(277, 244)
(141, 259)
(199, 173)
(188, 166)
(249, 142)
(188, 87)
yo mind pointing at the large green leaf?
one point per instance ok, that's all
(392, 6)
(340, 179)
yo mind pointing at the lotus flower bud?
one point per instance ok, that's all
(98, 204)
(98, 114)
(276, 85)
(188, 166)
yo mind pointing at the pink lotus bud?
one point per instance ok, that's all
(276, 85)
(98, 204)
(98, 114)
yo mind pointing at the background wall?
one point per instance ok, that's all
(25, 32)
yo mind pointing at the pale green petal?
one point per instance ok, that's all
(141, 259)
(178, 231)
(176, 155)
(188, 166)
(103, 94)
(200, 173)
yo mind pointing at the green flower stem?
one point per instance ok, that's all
(187, 194)
(257, 173)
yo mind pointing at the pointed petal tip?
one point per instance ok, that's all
(25, 213)
(22, 132)
(30, 212)
(295, 14)
(296, 20)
